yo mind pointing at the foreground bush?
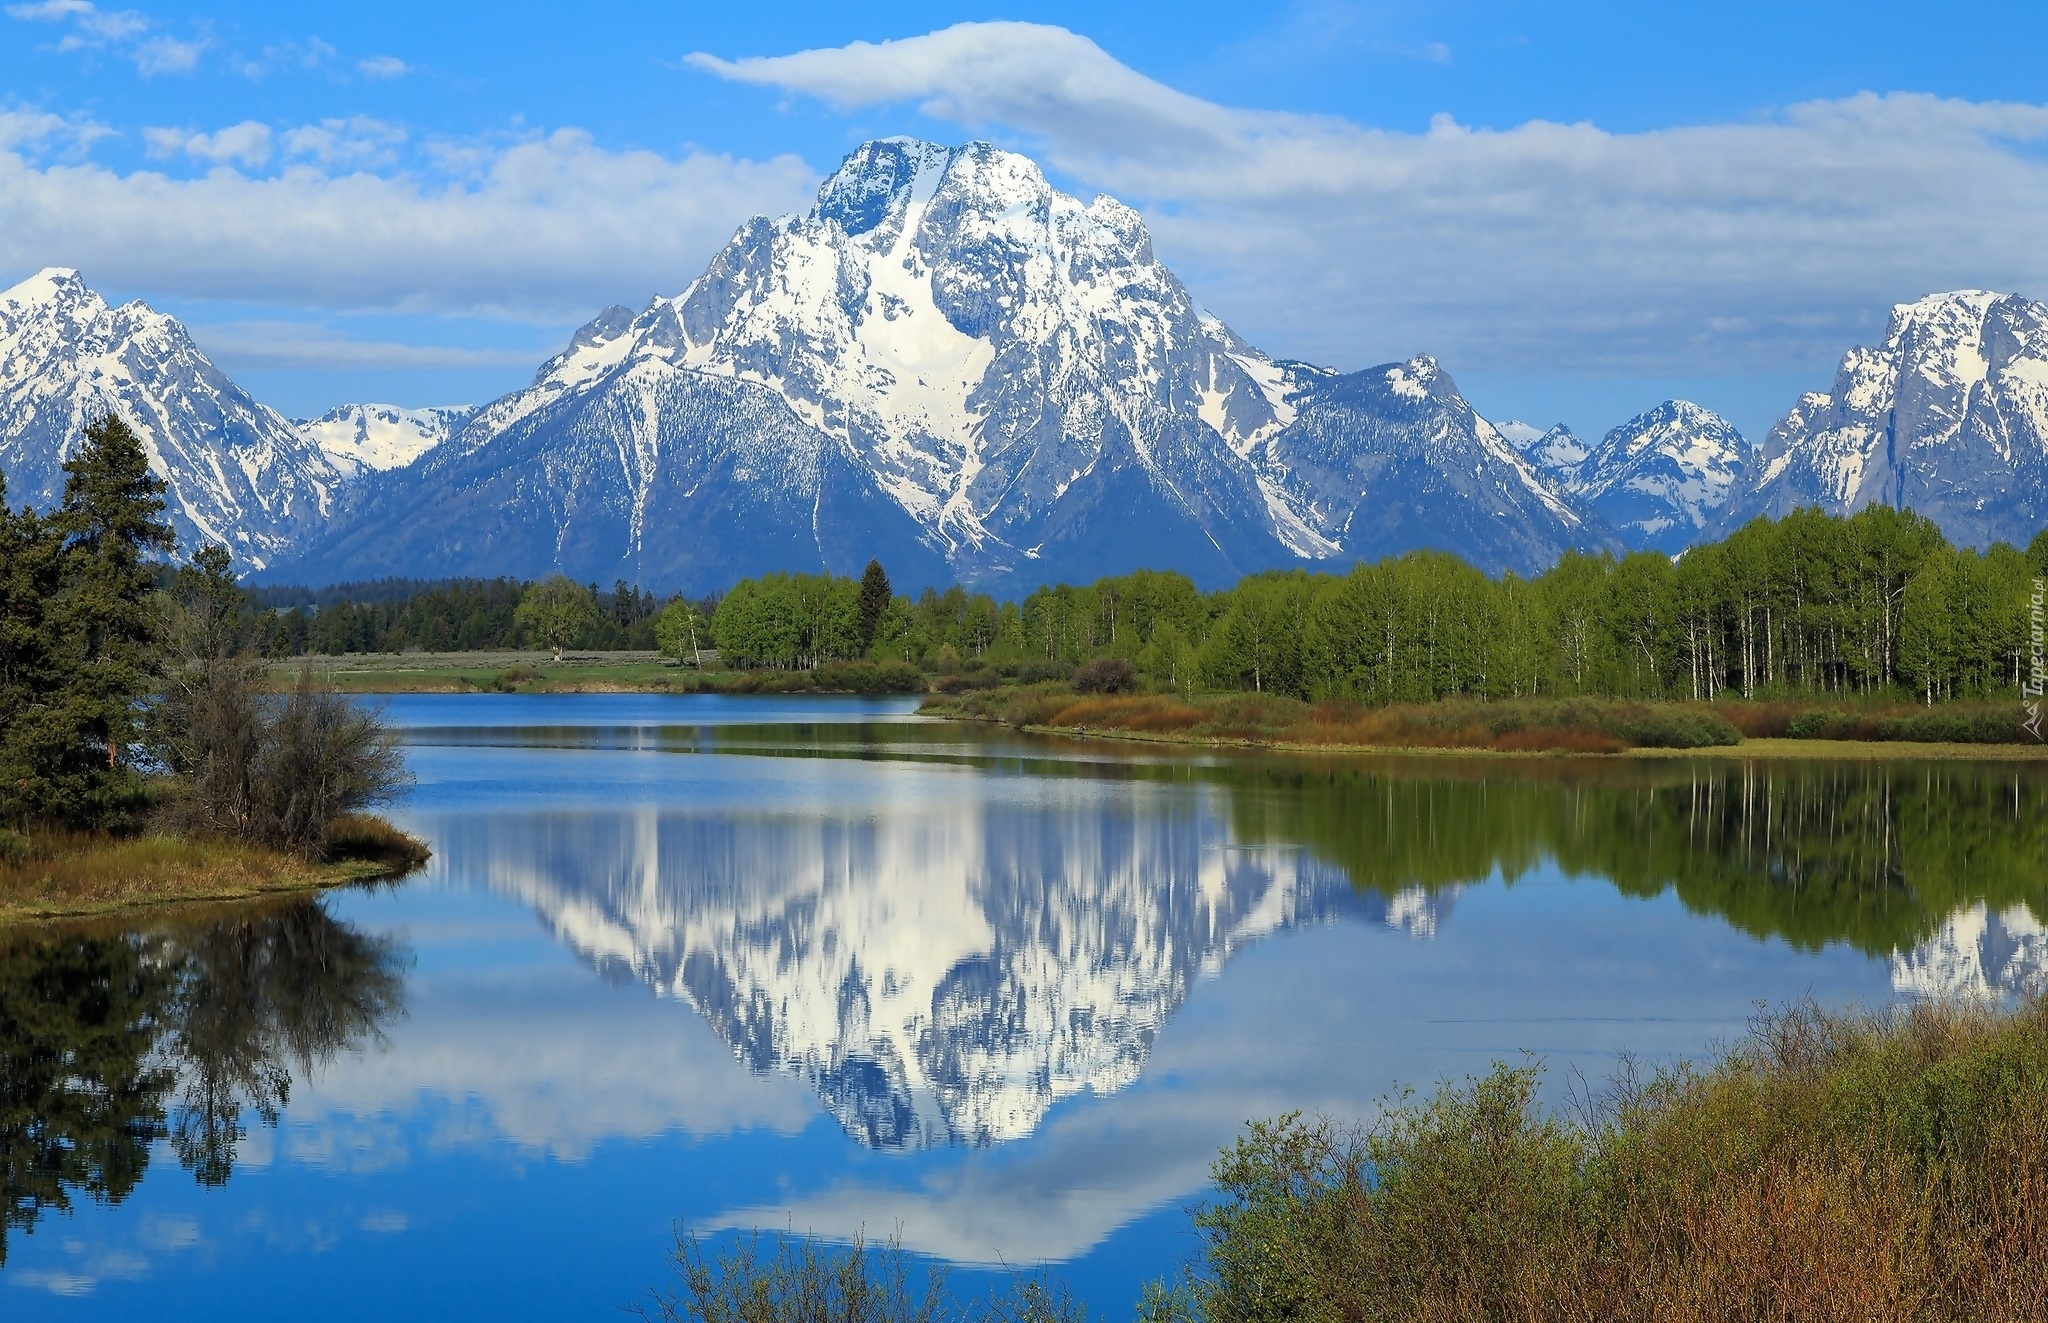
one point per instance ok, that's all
(1829, 1166)
(800, 1280)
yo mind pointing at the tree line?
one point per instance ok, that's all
(451, 615)
(1808, 605)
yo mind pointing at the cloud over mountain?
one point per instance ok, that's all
(1720, 247)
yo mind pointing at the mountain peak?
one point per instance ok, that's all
(52, 284)
(1663, 475)
(238, 472)
(1946, 417)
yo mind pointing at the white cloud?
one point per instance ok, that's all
(93, 28)
(1550, 247)
(358, 142)
(282, 344)
(91, 21)
(553, 227)
(161, 55)
(247, 143)
(383, 66)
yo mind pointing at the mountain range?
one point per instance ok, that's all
(951, 365)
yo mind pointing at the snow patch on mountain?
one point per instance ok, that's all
(376, 438)
(238, 472)
(1556, 452)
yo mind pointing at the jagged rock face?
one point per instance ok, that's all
(939, 978)
(1949, 416)
(1393, 459)
(376, 438)
(238, 472)
(1661, 478)
(1004, 382)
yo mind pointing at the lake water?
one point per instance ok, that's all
(816, 963)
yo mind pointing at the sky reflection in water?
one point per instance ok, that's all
(809, 962)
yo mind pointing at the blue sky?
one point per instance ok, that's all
(1579, 208)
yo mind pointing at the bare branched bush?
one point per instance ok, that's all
(273, 770)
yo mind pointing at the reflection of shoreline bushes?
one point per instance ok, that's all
(112, 1040)
(1877, 855)
(1827, 1167)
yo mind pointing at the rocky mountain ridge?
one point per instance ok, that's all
(950, 365)
(1948, 416)
(238, 472)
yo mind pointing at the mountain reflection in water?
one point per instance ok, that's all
(947, 972)
(938, 976)
(113, 1039)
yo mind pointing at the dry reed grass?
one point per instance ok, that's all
(59, 874)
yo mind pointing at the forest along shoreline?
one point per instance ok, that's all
(143, 758)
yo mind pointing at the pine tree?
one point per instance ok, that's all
(101, 629)
(874, 599)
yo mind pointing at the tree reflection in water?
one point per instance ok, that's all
(1872, 854)
(111, 1040)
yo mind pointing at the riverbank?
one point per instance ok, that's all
(1530, 728)
(51, 875)
(585, 673)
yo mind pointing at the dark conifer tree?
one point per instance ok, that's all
(874, 599)
(103, 624)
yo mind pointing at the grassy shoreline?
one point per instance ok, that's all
(1547, 729)
(62, 876)
(1850, 750)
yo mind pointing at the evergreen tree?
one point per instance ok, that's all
(31, 561)
(100, 629)
(874, 599)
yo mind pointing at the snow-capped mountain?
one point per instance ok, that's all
(1949, 416)
(1556, 453)
(1663, 476)
(938, 977)
(376, 438)
(238, 472)
(950, 364)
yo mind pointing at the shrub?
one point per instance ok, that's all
(267, 769)
(361, 836)
(13, 847)
(1957, 725)
(866, 677)
(1105, 675)
(1829, 1166)
(1037, 670)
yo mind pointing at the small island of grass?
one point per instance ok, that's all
(142, 759)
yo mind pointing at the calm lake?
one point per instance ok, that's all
(816, 963)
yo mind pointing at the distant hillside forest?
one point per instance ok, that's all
(1877, 603)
